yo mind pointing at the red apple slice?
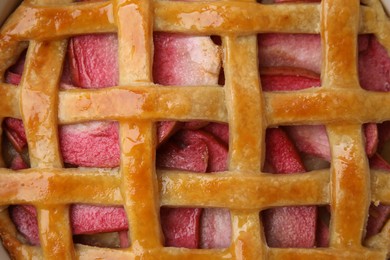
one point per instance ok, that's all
(287, 226)
(287, 79)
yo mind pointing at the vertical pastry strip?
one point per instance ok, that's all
(138, 139)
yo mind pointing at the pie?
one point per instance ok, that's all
(202, 130)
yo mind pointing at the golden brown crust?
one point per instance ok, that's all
(349, 186)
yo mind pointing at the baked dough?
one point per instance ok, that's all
(348, 187)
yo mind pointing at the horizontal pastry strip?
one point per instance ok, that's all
(221, 18)
(311, 106)
(251, 191)
(87, 252)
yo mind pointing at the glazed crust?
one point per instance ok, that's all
(349, 186)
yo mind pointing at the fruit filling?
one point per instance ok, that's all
(287, 62)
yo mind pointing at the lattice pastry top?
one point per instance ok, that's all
(136, 100)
